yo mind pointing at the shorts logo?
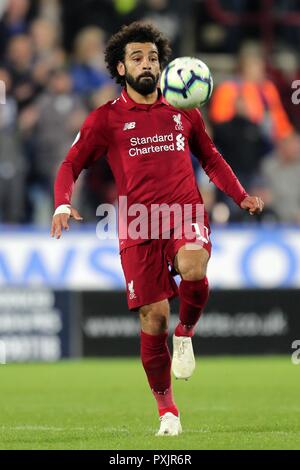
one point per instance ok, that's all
(129, 125)
(177, 120)
(204, 238)
(76, 139)
(180, 142)
(131, 290)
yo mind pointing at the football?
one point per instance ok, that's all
(186, 82)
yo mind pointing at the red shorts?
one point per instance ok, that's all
(148, 267)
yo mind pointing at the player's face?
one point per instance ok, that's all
(141, 67)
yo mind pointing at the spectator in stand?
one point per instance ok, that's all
(106, 14)
(260, 96)
(48, 54)
(88, 71)
(282, 173)
(242, 143)
(12, 162)
(20, 59)
(289, 33)
(287, 72)
(14, 22)
(168, 16)
(3, 7)
(54, 120)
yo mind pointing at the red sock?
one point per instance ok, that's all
(165, 402)
(156, 361)
(193, 297)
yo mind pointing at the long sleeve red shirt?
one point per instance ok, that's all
(148, 149)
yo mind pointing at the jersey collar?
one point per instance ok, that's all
(130, 104)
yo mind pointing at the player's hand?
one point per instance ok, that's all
(253, 204)
(60, 222)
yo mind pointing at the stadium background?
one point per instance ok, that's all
(66, 299)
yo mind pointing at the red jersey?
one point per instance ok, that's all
(148, 149)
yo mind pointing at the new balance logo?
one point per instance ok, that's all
(129, 125)
(131, 290)
(177, 120)
(180, 142)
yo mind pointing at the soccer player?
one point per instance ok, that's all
(148, 143)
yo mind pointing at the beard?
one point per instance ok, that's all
(144, 84)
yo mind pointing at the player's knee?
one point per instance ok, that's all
(154, 317)
(157, 322)
(192, 265)
(193, 271)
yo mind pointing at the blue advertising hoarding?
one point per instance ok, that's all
(241, 258)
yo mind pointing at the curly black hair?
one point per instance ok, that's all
(138, 31)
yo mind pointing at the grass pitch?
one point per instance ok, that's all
(230, 403)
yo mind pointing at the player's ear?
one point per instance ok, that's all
(121, 69)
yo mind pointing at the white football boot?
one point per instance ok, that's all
(183, 361)
(169, 425)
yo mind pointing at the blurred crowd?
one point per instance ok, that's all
(52, 64)
(257, 131)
